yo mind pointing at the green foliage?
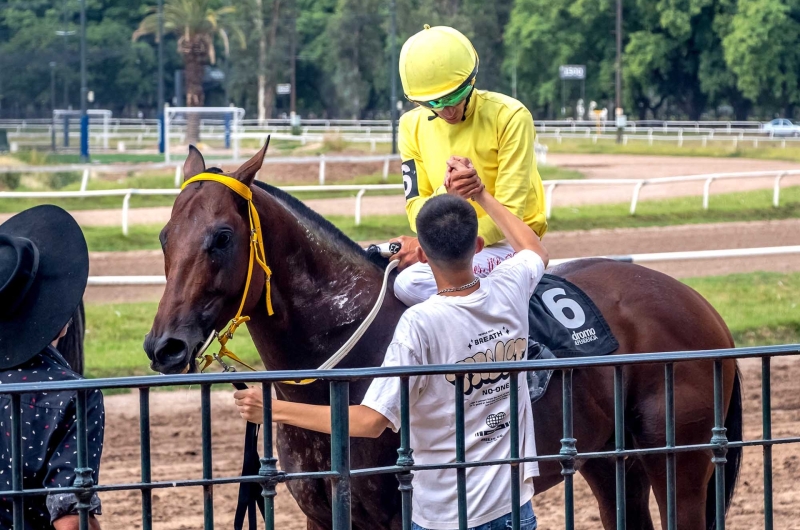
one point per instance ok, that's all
(10, 181)
(682, 58)
(61, 180)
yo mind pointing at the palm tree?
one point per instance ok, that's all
(195, 23)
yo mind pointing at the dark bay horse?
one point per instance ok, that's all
(323, 285)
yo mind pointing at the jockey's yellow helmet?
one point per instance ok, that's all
(436, 62)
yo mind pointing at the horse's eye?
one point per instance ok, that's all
(222, 240)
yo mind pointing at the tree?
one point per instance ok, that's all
(195, 23)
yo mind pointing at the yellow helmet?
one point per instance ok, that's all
(435, 62)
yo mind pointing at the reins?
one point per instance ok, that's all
(257, 256)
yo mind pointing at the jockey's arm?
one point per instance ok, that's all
(364, 421)
(515, 173)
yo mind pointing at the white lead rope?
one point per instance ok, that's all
(337, 357)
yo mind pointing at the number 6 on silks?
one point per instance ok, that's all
(557, 308)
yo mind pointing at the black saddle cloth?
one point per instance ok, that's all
(563, 322)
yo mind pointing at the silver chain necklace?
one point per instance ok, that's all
(462, 288)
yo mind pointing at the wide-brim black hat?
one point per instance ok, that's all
(44, 267)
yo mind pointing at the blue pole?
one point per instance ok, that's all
(161, 132)
(228, 117)
(85, 138)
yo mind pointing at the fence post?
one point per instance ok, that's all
(461, 473)
(144, 450)
(548, 202)
(269, 468)
(669, 415)
(83, 473)
(359, 195)
(178, 175)
(16, 461)
(707, 191)
(568, 450)
(766, 434)
(619, 444)
(321, 170)
(776, 192)
(208, 490)
(514, 453)
(125, 206)
(340, 453)
(635, 196)
(386, 169)
(720, 442)
(680, 137)
(405, 458)
(85, 179)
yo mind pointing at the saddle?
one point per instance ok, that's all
(563, 322)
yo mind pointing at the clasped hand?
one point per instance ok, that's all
(462, 179)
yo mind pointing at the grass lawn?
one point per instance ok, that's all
(759, 308)
(663, 148)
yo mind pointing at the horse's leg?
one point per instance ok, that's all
(694, 419)
(600, 474)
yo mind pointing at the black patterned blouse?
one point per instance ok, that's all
(49, 443)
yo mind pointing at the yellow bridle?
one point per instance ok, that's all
(256, 256)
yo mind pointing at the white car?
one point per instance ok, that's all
(782, 127)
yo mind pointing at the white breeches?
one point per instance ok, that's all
(416, 284)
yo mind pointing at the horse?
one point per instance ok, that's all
(322, 287)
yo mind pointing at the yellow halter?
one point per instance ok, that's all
(256, 255)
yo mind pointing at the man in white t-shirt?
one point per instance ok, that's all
(469, 320)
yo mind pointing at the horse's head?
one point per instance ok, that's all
(206, 254)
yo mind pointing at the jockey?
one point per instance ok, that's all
(455, 123)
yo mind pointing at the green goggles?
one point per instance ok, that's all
(453, 98)
(450, 100)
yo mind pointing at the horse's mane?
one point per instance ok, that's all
(323, 225)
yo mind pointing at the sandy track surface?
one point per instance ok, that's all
(570, 244)
(175, 421)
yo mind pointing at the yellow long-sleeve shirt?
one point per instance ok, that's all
(497, 136)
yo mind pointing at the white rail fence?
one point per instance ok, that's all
(638, 184)
(119, 281)
(361, 189)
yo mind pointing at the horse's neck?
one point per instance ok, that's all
(321, 294)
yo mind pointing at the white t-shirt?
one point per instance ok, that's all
(490, 324)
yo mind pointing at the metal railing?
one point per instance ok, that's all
(340, 474)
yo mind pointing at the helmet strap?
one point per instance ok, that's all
(466, 105)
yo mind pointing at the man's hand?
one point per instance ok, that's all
(462, 179)
(250, 404)
(408, 251)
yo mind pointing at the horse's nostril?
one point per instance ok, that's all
(170, 351)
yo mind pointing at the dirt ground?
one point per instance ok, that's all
(175, 422)
(570, 244)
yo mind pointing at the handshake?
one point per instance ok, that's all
(461, 179)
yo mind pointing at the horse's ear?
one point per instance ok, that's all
(194, 164)
(246, 174)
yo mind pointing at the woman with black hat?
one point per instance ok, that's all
(44, 266)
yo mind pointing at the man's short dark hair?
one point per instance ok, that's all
(447, 228)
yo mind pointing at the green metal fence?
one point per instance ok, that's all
(341, 473)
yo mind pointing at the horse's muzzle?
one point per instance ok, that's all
(169, 355)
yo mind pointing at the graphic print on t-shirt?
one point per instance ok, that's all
(502, 350)
(490, 390)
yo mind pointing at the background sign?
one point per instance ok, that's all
(572, 71)
(283, 89)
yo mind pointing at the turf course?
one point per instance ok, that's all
(760, 309)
